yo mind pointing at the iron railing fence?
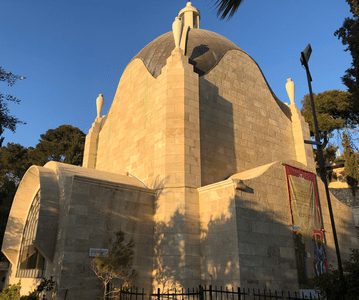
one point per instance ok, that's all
(208, 293)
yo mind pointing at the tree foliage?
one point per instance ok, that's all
(116, 264)
(351, 164)
(335, 110)
(354, 6)
(329, 153)
(227, 8)
(330, 285)
(349, 36)
(11, 292)
(14, 161)
(63, 144)
(46, 285)
(6, 120)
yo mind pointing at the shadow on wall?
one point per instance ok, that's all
(249, 246)
(166, 247)
(218, 156)
(244, 244)
(11, 244)
(198, 51)
(158, 185)
(168, 272)
(11, 241)
(346, 234)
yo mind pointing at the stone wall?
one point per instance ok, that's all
(344, 193)
(261, 254)
(340, 189)
(152, 132)
(242, 125)
(133, 128)
(220, 263)
(81, 209)
(97, 210)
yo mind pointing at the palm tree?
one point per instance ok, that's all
(227, 8)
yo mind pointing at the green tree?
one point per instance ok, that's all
(351, 164)
(7, 121)
(14, 161)
(11, 292)
(330, 285)
(46, 285)
(116, 264)
(329, 153)
(63, 144)
(349, 35)
(354, 6)
(335, 110)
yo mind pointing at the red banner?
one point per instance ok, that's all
(307, 227)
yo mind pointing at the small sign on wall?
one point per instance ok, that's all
(95, 251)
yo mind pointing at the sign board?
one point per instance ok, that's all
(95, 251)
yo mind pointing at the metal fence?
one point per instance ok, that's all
(208, 293)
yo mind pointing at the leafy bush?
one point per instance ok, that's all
(11, 292)
(46, 285)
(330, 286)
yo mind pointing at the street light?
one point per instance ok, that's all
(305, 55)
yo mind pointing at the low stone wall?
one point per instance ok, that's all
(343, 192)
(345, 195)
(340, 188)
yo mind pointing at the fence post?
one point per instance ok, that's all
(210, 292)
(158, 294)
(200, 292)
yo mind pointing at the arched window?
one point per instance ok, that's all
(31, 262)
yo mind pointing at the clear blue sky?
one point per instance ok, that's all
(72, 50)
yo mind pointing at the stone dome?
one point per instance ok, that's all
(203, 48)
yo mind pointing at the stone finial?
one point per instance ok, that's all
(289, 86)
(190, 16)
(100, 101)
(177, 31)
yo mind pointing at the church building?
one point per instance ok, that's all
(200, 163)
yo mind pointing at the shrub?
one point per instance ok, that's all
(330, 286)
(11, 292)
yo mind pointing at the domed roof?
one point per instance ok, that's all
(204, 49)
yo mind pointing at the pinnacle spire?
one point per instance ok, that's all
(190, 16)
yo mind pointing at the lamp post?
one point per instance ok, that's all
(304, 60)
